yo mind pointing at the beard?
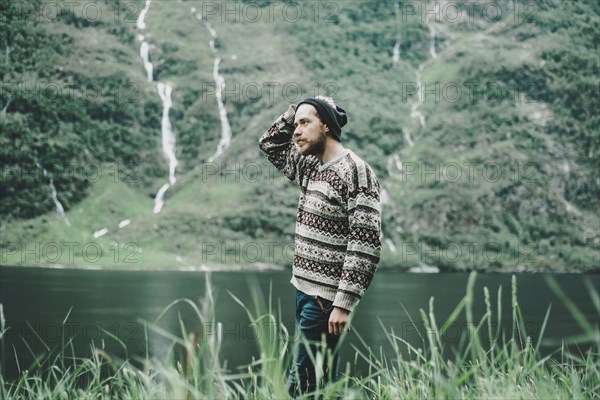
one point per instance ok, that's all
(314, 148)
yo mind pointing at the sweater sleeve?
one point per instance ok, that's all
(278, 145)
(364, 239)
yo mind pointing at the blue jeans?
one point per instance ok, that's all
(312, 318)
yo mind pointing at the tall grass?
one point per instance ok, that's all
(487, 362)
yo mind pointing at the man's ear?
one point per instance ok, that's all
(326, 128)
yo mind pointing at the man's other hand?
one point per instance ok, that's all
(339, 321)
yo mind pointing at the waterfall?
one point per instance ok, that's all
(414, 110)
(168, 139)
(225, 140)
(6, 61)
(391, 245)
(59, 207)
(439, 6)
(3, 112)
(394, 163)
(159, 199)
(385, 197)
(407, 138)
(168, 144)
(432, 33)
(140, 21)
(225, 128)
(145, 48)
(144, 53)
(100, 232)
(396, 50)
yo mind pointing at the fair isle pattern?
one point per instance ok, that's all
(338, 226)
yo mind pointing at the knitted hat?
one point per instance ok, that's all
(333, 118)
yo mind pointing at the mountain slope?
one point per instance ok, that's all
(494, 166)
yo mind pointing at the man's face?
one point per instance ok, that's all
(310, 131)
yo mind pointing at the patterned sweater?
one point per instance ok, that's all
(338, 226)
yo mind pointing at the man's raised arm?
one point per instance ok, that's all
(278, 145)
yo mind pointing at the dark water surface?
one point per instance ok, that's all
(36, 302)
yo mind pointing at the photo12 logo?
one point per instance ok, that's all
(463, 172)
(470, 252)
(88, 12)
(236, 91)
(60, 252)
(234, 252)
(251, 172)
(91, 172)
(270, 11)
(55, 333)
(123, 92)
(456, 12)
(91, 12)
(468, 92)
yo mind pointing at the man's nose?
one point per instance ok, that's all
(297, 131)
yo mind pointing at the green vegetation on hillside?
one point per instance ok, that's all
(521, 131)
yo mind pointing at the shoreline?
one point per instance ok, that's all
(272, 268)
(189, 268)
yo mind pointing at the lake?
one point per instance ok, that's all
(45, 307)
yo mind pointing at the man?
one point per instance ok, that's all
(337, 245)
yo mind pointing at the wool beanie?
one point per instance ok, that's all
(333, 118)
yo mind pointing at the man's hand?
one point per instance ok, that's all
(338, 321)
(290, 113)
